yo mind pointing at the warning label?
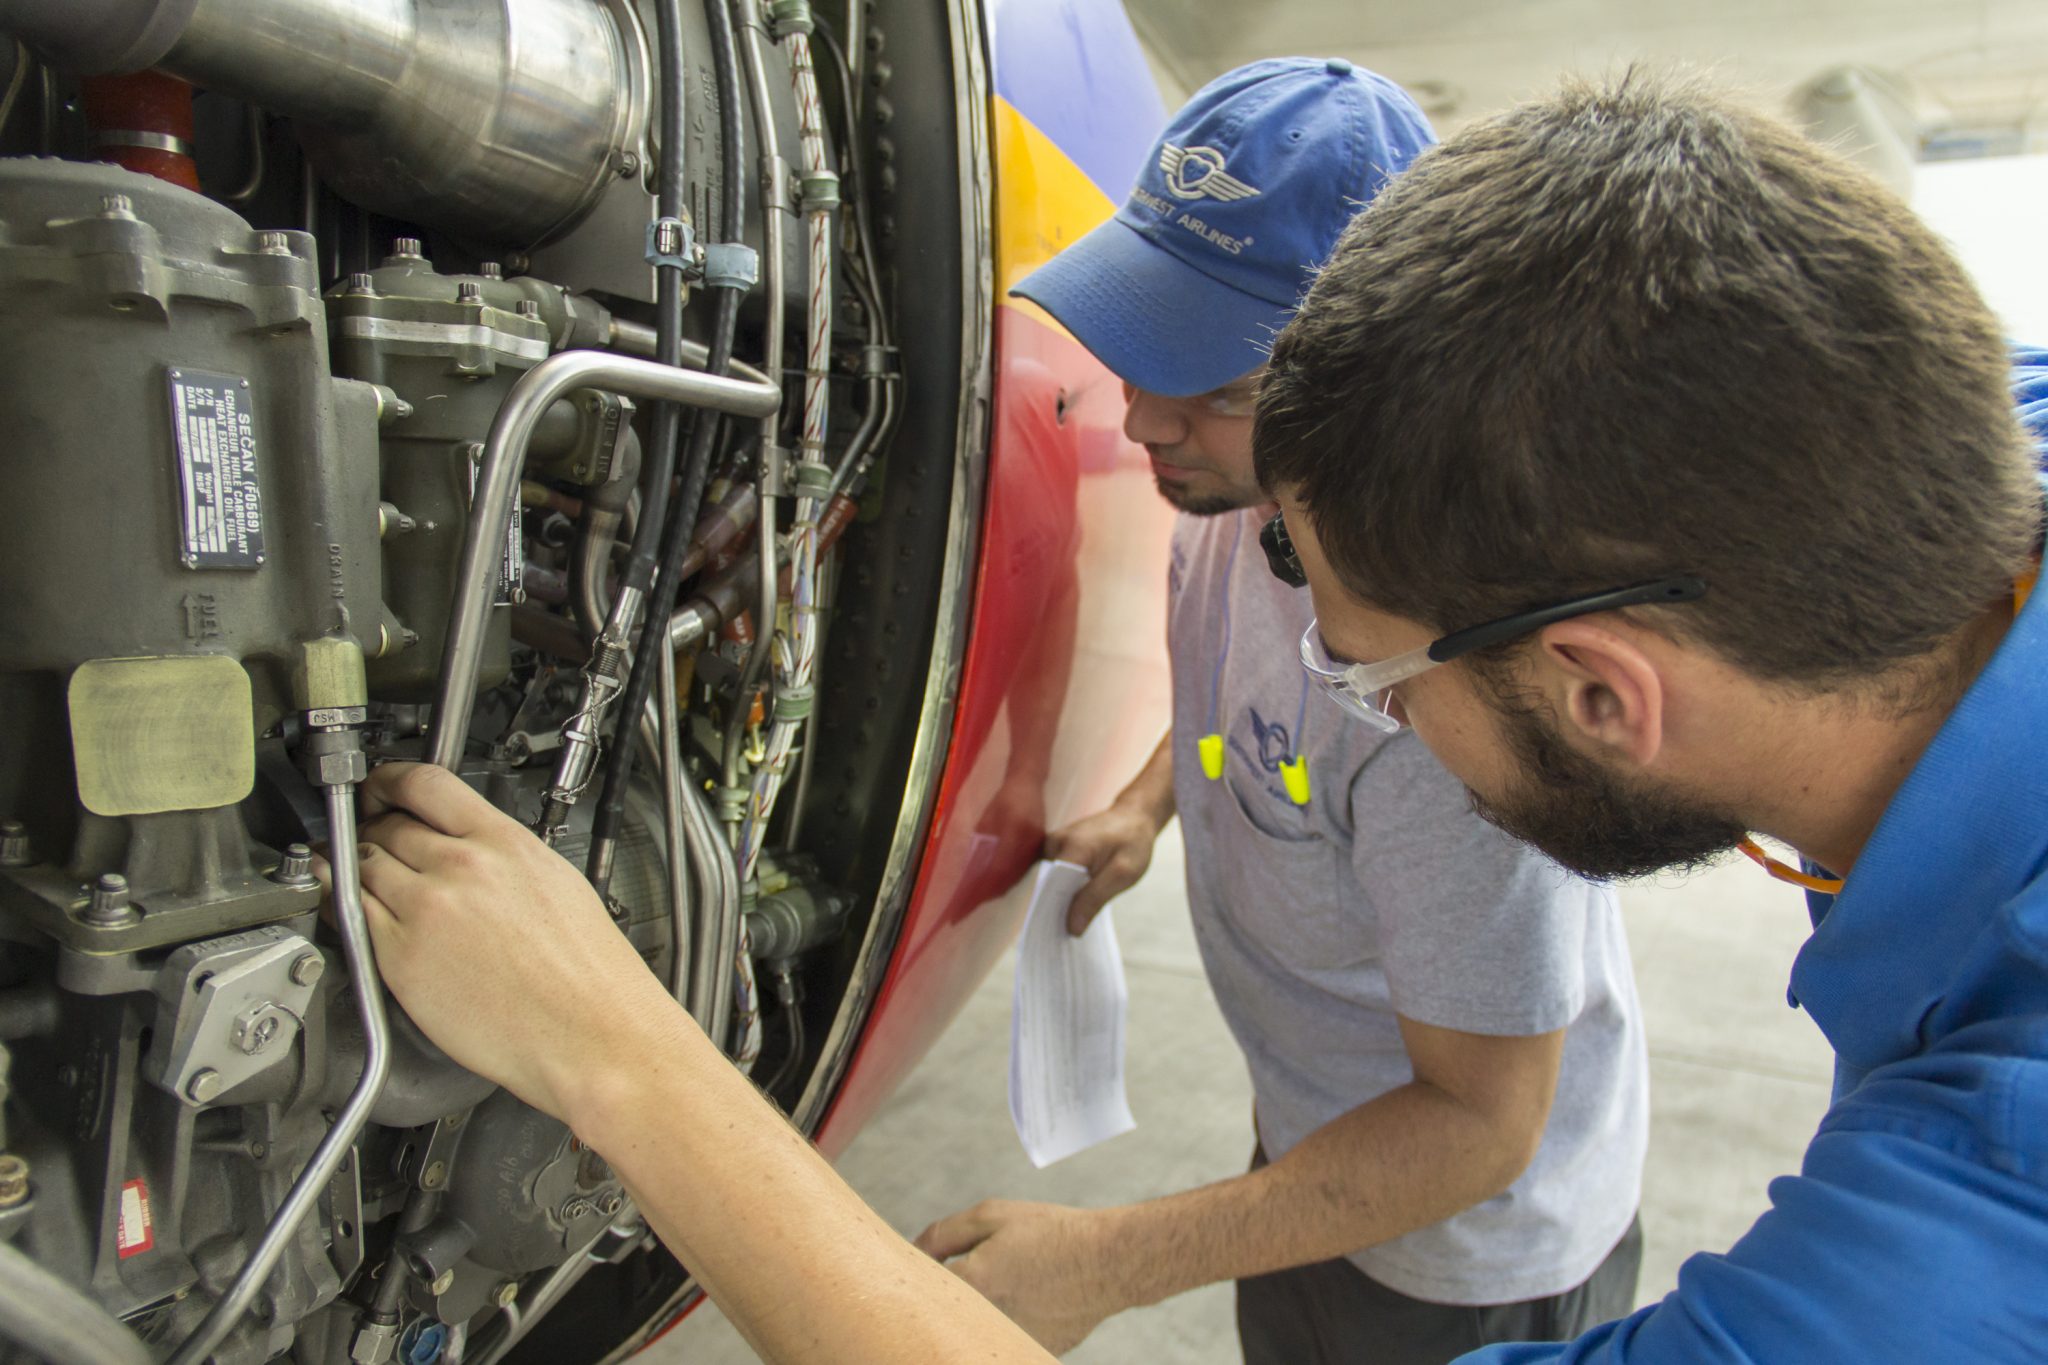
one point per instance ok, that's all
(212, 422)
(136, 1233)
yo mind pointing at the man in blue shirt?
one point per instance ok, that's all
(1742, 545)
(1661, 470)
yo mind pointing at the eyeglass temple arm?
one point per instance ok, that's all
(1661, 592)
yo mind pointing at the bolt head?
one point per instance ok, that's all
(442, 1283)
(117, 206)
(308, 968)
(506, 1294)
(406, 246)
(205, 1086)
(435, 1176)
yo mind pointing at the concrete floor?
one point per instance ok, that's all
(1738, 1081)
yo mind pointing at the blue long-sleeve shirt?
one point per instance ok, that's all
(1917, 1228)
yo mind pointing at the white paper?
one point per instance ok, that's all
(1066, 1026)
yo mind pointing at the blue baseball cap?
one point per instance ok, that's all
(1243, 197)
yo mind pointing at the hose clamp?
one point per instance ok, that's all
(672, 245)
(730, 265)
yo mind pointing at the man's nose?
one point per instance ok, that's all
(1151, 419)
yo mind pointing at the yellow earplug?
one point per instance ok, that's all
(1210, 747)
(1295, 776)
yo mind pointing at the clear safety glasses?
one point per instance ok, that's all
(1365, 689)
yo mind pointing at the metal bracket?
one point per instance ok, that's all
(775, 480)
(229, 1008)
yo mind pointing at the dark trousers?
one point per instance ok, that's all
(1333, 1313)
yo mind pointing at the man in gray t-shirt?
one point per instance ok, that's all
(1441, 1026)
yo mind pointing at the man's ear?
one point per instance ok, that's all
(1606, 688)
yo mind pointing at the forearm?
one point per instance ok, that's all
(1406, 1160)
(1151, 791)
(804, 1269)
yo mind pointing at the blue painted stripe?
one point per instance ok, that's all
(1074, 69)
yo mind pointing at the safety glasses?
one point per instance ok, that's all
(1364, 689)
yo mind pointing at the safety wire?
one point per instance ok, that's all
(795, 647)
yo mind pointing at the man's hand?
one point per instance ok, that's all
(1115, 846)
(1048, 1267)
(495, 945)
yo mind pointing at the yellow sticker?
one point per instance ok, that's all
(1295, 776)
(1210, 747)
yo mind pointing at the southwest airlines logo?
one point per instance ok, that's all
(1197, 173)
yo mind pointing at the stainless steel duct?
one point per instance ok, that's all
(501, 120)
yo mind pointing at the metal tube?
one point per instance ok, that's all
(53, 1321)
(672, 777)
(755, 46)
(305, 1193)
(498, 484)
(710, 997)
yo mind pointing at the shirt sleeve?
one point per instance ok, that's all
(1887, 1247)
(1478, 932)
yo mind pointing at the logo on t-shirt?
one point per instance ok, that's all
(1274, 748)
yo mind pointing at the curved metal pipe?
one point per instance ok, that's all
(498, 484)
(305, 1193)
(53, 1321)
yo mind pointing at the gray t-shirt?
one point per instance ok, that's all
(1385, 893)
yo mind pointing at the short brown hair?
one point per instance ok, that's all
(1635, 330)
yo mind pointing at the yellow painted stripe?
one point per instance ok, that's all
(1044, 203)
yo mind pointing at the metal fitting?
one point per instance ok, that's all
(491, 270)
(295, 869)
(373, 1345)
(117, 206)
(469, 291)
(407, 249)
(529, 310)
(335, 758)
(273, 244)
(13, 1181)
(258, 1026)
(307, 969)
(109, 907)
(204, 1087)
(362, 285)
(14, 846)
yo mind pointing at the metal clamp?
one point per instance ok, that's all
(672, 245)
(818, 191)
(793, 703)
(775, 481)
(788, 16)
(730, 265)
(812, 480)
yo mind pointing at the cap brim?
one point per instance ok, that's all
(1153, 319)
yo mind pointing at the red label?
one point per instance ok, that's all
(136, 1233)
